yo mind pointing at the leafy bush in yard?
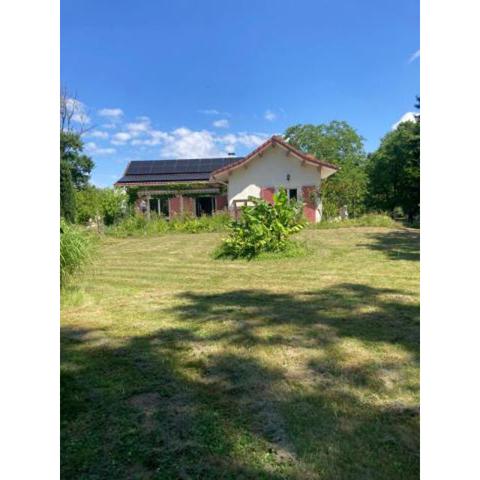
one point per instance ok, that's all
(139, 225)
(75, 249)
(107, 203)
(263, 227)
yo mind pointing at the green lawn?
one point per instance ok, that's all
(178, 366)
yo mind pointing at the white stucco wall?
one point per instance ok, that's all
(271, 170)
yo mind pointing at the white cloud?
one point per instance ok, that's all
(113, 113)
(98, 134)
(244, 139)
(142, 125)
(182, 142)
(414, 56)
(185, 143)
(80, 112)
(121, 138)
(105, 151)
(406, 117)
(94, 149)
(223, 123)
(270, 116)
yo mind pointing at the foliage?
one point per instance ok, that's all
(67, 193)
(171, 190)
(108, 204)
(338, 143)
(139, 225)
(394, 171)
(263, 227)
(367, 220)
(88, 204)
(81, 165)
(113, 204)
(75, 250)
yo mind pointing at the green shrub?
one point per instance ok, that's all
(89, 204)
(367, 220)
(75, 250)
(263, 227)
(140, 225)
(107, 203)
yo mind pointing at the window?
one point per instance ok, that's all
(159, 206)
(292, 194)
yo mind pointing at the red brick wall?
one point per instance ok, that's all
(188, 206)
(221, 202)
(174, 206)
(309, 208)
(266, 193)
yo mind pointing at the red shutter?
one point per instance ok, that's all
(309, 208)
(266, 193)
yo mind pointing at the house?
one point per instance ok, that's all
(206, 185)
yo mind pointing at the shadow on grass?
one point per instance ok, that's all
(163, 407)
(354, 310)
(397, 245)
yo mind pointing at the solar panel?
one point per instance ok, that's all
(193, 167)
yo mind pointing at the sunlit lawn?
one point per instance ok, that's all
(175, 365)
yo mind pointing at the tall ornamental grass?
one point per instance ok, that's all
(75, 250)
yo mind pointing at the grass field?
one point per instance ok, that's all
(179, 366)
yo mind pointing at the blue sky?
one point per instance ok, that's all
(185, 78)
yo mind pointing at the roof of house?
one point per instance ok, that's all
(154, 172)
(271, 142)
(149, 172)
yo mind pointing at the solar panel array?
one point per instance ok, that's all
(159, 167)
(194, 169)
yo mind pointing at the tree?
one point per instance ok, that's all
(67, 193)
(339, 143)
(71, 144)
(81, 165)
(394, 170)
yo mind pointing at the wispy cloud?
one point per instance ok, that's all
(414, 56)
(97, 134)
(223, 123)
(142, 124)
(186, 143)
(79, 111)
(121, 138)
(112, 113)
(270, 116)
(94, 149)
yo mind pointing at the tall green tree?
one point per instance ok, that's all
(67, 193)
(71, 152)
(339, 143)
(394, 170)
